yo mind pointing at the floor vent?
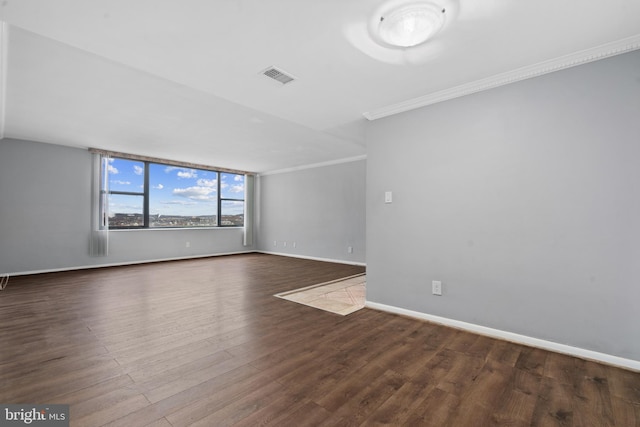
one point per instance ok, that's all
(278, 75)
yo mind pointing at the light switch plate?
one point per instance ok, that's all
(436, 287)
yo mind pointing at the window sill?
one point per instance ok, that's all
(118, 230)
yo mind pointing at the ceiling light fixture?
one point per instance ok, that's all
(411, 24)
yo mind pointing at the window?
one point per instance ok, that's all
(231, 199)
(144, 194)
(126, 193)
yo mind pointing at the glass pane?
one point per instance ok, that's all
(232, 186)
(126, 175)
(232, 213)
(125, 211)
(182, 197)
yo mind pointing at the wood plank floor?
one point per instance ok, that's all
(204, 343)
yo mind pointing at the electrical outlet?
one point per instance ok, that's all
(275, 243)
(350, 249)
(436, 287)
(294, 244)
(187, 245)
(284, 244)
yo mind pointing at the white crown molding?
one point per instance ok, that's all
(315, 165)
(578, 58)
(512, 337)
(4, 47)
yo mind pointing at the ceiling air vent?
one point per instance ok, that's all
(278, 75)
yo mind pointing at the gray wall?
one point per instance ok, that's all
(523, 200)
(45, 214)
(321, 209)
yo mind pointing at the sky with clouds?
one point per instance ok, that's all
(173, 190)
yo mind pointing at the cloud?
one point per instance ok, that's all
(182, 172)
(187, 173)
(138, 170)
(112, 169)
(207, 182)
(121, 182)
(178, 202)
(158, 187)
(237, 188)
(196, 193)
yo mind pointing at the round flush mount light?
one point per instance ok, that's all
(411, 24)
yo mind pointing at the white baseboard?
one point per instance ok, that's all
(582, 353)
(337, 261)
(148, 261)
(119, 264)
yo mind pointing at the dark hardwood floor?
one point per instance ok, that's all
(204, 343)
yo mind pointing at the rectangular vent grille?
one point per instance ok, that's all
(278, 75)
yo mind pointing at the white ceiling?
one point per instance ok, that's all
(182, 80)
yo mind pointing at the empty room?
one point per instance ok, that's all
(320, 213)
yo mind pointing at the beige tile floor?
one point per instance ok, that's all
(341, 297)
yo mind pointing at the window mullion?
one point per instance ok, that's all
(126, 193)
(219, 194)
(145, 208)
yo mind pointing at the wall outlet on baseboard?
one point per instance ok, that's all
(436, 287)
